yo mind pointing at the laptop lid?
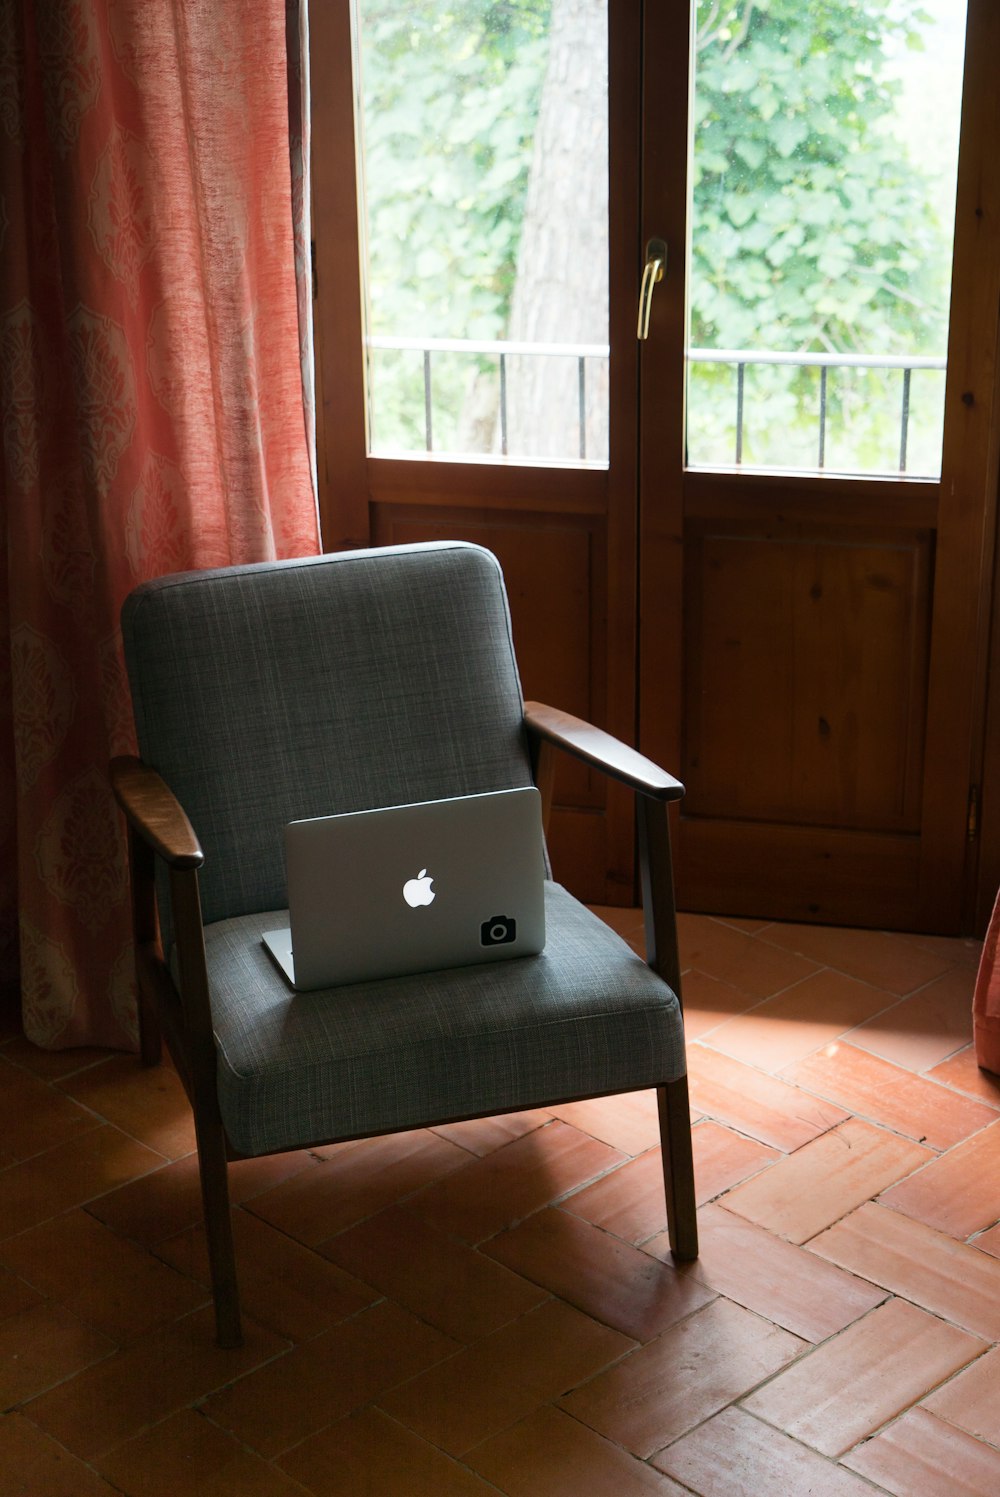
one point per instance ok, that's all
(413, 888)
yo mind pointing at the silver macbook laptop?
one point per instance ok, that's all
(408, 889)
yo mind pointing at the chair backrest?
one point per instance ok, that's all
(336, 683)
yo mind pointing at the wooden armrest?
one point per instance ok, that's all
(601, 750)
(155, 813)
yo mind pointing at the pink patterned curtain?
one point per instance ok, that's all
(153, 417)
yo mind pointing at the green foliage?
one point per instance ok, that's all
(451, 94)
(812, 229)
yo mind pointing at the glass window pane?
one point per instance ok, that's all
(485, 181)
(825, 149)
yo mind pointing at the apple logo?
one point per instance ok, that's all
(417, 891)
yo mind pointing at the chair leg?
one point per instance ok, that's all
(201, 1067)
(144, 928)
(678, 1168)
(214, 1173)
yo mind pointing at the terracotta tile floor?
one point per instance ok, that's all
(491, 1307)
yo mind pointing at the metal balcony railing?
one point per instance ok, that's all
(502, 350)
(824, 362)
(740, 358)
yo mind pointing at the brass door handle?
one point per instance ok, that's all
(652, 272)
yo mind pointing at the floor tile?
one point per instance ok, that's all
(630, 1201)
(958, 1193)
(709, 1002)
(371, 1453)
(503, 1378)
(912, 1260)
(284, 1286)
(891, 1095)
(683, 1377)
(16, 1294)
(488, 1194)
(148, 1103)
(752, 926)
(785, 1029)
(39, 1467)
(327, 1378)
(111, 1284)
(608, 1279)
(483, 1135)
(50, 1065)
(923, 1030)
(882, 958)
(483, 1283)
(626, 920)
(42, 1346)
(169, 1200)
(160, 1204)
(988, 1242)
(961, 951)
(177, 1365)
(443, 1281)
(962, 1072)
(811, 1189)
(737, 958)
(250, 1178)
(627, 923)
(735, 1455)
(629, 1122)
(851, 1385)
(355, 1180)
(920, 1456)
(763, 1106)
(723, 1157)
(972, 1400)
(68, 1175)
(551, 1455)
(33, 1116)
(188, 1454)
(774, 1278)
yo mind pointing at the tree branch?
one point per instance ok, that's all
(706, 37)
(741, 36)
(883, 285)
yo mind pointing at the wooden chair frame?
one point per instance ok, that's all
(181, 1013)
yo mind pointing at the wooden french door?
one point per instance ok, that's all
(806, 652)
(812, 648)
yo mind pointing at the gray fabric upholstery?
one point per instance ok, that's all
(587, 1016)
(336, 683)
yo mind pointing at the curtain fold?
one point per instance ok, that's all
(153, 417)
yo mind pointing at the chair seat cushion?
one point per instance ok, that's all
(585, 1017)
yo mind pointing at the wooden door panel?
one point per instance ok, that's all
(806, 658)
(812, 648)
(810, 653)
(799, 873)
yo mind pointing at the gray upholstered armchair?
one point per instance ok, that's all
(268, 693)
